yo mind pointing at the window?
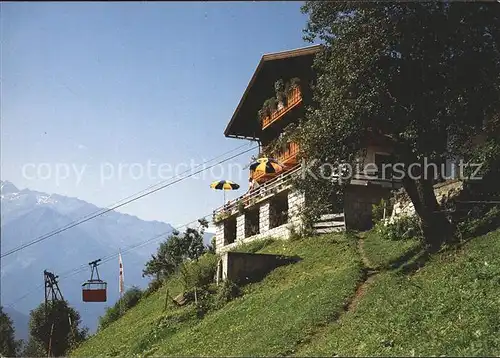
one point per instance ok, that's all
(278, 210)
(252, 222)
(230, 230)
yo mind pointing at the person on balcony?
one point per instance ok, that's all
(252, 188)
(253, 185)
(227, 206)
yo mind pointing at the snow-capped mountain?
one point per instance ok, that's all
(27, 215)
(6, 187)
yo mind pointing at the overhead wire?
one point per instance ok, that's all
(108, 258)
(101, 210)
(122, 202)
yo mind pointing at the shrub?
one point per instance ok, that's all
(226, 292)
(293, 233)
(212, 248)
(294, 82)
(279, 86)
(378, 210)
(130, 298)
(254, 246)
(205, 301)
(153, 286)
(270, 105)
(175, 250)
(290, 85)
(199, 273)
(221, 216)
(241, 206)
(404, 228)
(282, 98)
(112, 314)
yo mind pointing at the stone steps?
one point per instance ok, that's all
(332, 216)
(329, 223)
(328, 230)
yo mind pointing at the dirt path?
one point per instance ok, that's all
(369, 275)
(361, 250)
(360, 291)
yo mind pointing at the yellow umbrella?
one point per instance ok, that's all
(266, 166)
(224, 185)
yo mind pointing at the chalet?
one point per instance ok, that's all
(274, 208)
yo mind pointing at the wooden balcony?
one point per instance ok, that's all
(294, 98)
(287, 157)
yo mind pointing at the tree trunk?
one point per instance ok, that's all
(435, 226)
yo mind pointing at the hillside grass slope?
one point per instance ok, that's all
(451, 306)
(326, 305)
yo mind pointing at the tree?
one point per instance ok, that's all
(423, 76)
(212, 248)
(34, 348)
(9, 346)
(199, 273)
(176, 249)
(60, 319)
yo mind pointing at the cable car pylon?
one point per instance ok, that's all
(52, 291)
(94, 290)
(52, 295)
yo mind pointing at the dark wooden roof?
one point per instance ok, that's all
(273, 66)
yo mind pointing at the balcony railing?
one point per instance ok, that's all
(282, 182)
(264, 191)
(289, 155)
(373, 178)
(287, 158)
(293, 99)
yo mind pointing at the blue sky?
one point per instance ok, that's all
(89, 86)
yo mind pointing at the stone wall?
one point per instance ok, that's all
(240, 227)
(279, 232)
(295, 204)
(247, 267)
(219, 234)
(404, 206)
(264, 217)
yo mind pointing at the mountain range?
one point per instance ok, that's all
(26, 215)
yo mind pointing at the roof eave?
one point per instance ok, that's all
(268, 57)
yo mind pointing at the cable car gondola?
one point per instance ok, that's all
(94, 290)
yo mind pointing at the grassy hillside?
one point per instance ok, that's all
(271, 317)
(451, 306)
(324, 305)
